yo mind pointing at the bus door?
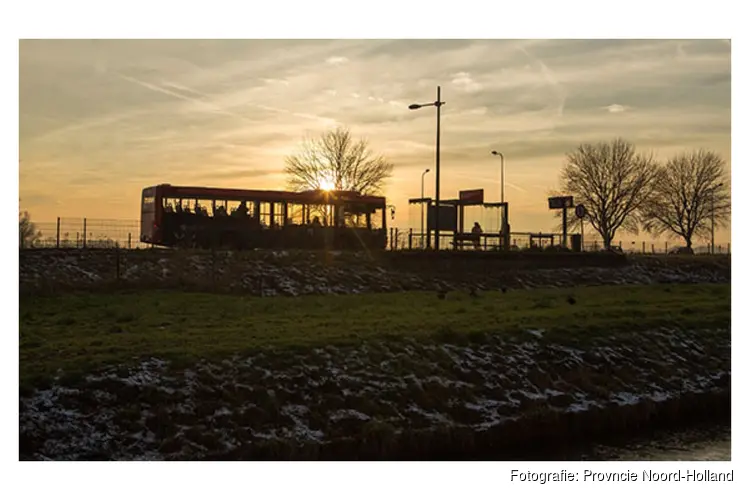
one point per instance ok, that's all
(149, 222)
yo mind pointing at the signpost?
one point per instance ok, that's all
(562, 203)
(581, 213)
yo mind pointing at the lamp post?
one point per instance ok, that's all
(421, 232)
(438, 104)
(502, 175)
(506, 237)
(713, 213)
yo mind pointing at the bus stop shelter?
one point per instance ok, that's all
(457, 217)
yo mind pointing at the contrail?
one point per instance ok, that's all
(549, 75)
(214, 107)
(494, 180)
(162, 90)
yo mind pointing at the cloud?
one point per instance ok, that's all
(465, 82)
(337, 60)
(616, 108)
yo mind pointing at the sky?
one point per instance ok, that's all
(102, 119)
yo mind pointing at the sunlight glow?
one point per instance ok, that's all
(327, 185)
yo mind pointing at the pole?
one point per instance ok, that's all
(583, 248)
(421, 230)
(84, 232)
(437, 175)
(712, 222)
(58, 232)
(502, 178)
(565, 227)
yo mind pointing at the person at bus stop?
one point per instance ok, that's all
(476, 231)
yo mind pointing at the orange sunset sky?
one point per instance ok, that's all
(101, 119)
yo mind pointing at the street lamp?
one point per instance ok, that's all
(502, 175)
(713, 213)
(506, 237)
(421, 233)
(438, 104)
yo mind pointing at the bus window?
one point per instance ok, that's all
(355, 215)
(265, 214)
(202, 207)
(295, 214)
(220, 208)
(169, 204)
(148, 202)
(188, 206)
(376, 219)
(278, 215)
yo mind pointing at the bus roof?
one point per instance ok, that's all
(311, 197)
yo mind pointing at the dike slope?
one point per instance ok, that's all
(485, 395)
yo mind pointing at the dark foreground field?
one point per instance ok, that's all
(83, 331)
(180, 375)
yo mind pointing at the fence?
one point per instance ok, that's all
(410, 239)
(125, 233)
(87, 233)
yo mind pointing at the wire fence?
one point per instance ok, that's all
(87, 233)
(125, 233)
(410, 239)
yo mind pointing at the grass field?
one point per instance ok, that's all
(83, 331)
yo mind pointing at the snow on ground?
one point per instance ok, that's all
(224, 405)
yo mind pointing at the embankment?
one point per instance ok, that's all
(288, 273)
(482, 395)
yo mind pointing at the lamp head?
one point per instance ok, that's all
(415, 106)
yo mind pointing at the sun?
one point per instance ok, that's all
(327, 185)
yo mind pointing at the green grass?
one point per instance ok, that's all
(83, 331)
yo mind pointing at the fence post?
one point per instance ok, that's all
(652, 248)
(84, 232)
(57, 245)
(644, 247)
(213, 267)
(128, 241)
(410, 236)
(729, 247)
(665, 247)
(396, 238)
(719, 248)
(117, 259)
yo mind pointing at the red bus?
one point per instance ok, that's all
(203, 217)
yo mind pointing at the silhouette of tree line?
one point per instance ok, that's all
(624, 189)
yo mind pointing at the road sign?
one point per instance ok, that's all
(560, 202)
(580, 211)
(471, 197)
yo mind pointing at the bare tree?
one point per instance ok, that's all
(336, 161)
(612, 181)
(690, 189)
(27, 232)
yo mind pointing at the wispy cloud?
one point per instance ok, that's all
(616, 108)
(143, 111)
(463, 81)
(337, 60)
